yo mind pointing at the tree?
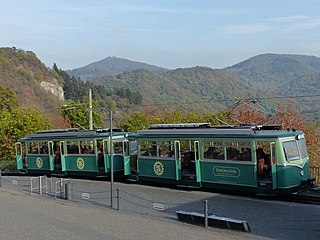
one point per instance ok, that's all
(78, 113)
(7, 99)
(16, 124)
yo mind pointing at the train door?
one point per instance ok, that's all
(19, 155)
(51, 155)
(63, 157)
(273, 162)
(266, 165)
(126, 158)
(190, 164)
(197, 161)
(106, 162)
(177, 158)
(100, 155)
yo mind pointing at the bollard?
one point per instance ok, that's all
(118, 197)
(67, 191)
(0, 178)
(61, 187)
(40, 185)
(206, 213)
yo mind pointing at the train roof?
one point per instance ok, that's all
(206, 130)
(73, 133)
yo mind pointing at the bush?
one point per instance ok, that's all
(8, 165)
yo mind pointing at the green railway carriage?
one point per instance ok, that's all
(252, 159)
(73, 152)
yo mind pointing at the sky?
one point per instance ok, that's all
(167, 33)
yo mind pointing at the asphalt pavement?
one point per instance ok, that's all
(25, 217)
(88, 214)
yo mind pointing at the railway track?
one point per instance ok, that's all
(304, 197)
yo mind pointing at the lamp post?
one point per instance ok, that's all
(111, 160)
(111, 150)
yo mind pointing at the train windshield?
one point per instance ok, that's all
(303, 147)
(291, 150)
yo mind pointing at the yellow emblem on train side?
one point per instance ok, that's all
(158, 168)
(80, 163)
(39, 162)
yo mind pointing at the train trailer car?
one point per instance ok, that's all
(248, 159)
(73, 152)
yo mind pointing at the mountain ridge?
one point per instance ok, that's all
(109, 66)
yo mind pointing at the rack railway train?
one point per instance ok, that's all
(249, 159)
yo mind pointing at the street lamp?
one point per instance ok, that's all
(111, 151)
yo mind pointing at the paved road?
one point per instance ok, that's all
(267, 218)
(25, 217)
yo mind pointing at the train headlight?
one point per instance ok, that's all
(301, 173)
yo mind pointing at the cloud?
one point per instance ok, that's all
(245, 29)
(305, 24)
(296, 23)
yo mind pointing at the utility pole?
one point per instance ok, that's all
(90, 110)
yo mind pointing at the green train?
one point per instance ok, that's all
(248, 159)
(73, 152)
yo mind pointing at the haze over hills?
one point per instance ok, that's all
(111, 65)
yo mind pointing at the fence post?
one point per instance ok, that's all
(0, 178)
(206, 213)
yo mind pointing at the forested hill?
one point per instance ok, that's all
(111, 65)
(198, 88)
(284, 75)
(32, 82)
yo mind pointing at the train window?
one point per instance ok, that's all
(162, 149)
(86, 147)
(291, 151)
(147, 148)
(33, 148)
(117, 148)
(213, 150)
(165, 149)
(43, 148)
(238, 151)
(73, 147)
(133, 148)
(303, 147)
